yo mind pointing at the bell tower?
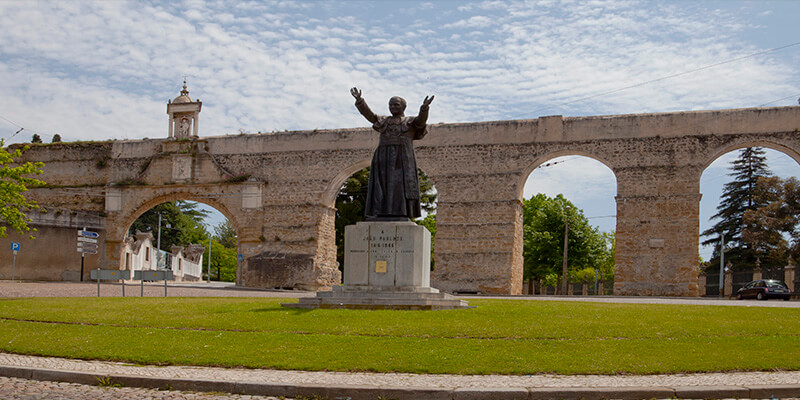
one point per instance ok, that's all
(183, 115)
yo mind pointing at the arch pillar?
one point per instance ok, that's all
(478, 243)
(478, 247)
(658, 209)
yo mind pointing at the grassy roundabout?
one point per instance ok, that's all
(497, 337)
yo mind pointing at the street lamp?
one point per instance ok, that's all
(209, 260)
(722, 265)
(158, 243)
(566, 246)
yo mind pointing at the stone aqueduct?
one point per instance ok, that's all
(279, 189)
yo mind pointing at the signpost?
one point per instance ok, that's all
(87, 243)
(157, 275)
(15, 248)
(110, 275)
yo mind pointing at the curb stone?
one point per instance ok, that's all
(364, 392)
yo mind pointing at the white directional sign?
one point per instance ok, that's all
(89, 248)
(88, 234)
(87, 242)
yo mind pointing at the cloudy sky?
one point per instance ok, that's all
(105, 70)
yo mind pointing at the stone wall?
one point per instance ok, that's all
(279, 190)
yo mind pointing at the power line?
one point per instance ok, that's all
(21, 128)
(781, 99)
(663, 78)
(10, 121)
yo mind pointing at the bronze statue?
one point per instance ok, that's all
(393, 190)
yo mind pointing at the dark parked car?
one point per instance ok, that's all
(764, 289)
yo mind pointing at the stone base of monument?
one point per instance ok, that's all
(387, 265)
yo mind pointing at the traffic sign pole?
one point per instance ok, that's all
(15, 248)
(87, 243)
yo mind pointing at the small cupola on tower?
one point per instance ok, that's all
(183, 115)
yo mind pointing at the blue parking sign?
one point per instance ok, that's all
(16, 246)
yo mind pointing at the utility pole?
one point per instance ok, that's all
(159, 233)
(158, 245)
(722, 265)
(566, 246)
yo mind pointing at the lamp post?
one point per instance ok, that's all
(209, 260)
(722, 265)
(158, 243)
(566, 246)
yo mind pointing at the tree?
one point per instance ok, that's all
(223, 261)
(543, 237)
(56, 138)
(352, 200)
(738, 196)
(14, 181)
(766, 229)
(185, 222)
(36, 138)
(225, 234)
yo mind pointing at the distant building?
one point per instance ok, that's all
(139, 254)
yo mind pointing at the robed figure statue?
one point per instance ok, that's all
(393, 190)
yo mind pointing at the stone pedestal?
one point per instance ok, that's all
(386, 266)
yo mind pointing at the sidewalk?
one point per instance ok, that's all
(370, 386)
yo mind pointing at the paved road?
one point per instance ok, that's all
(224, 289)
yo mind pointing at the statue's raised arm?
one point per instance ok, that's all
(362, 106)
(425, 103)
(356, 93)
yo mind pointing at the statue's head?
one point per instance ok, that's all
(397, 106)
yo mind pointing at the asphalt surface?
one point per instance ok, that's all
(29, 377)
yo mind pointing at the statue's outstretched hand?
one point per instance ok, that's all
(428, 100)
(357, 93)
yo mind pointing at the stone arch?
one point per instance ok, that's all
(332, 190)
(542, 160)
(719, 152)
(136, 212)
(708, 204)
(523, 178)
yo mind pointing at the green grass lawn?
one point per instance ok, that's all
(497, 337)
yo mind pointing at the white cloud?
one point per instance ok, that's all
(258, 66)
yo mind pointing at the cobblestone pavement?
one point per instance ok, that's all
(24, 389)
(403, 380)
